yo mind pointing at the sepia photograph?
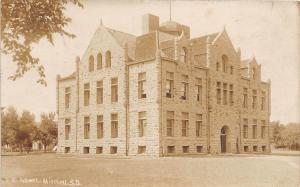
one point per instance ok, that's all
(158, 93)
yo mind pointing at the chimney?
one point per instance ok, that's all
(150, 23)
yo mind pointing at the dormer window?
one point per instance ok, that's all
(108, 59)
(91, 63)
(184, 55)
(99, 61)
(224, 63)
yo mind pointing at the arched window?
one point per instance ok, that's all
(224, 63)
(184, 55)
(218, 66)
(108, 58)
(254, 73)
(99, 61)
(91, 63)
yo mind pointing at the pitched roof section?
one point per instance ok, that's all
(121, 37)
(202, 39)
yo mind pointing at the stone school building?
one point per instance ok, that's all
(162, 93)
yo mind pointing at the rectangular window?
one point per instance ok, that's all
(199, 125)
(263, 101)
(114, 125)
(113, 150)
(185, 149)
(141, 85)
(142, 123)
(100, 126)
(218, 92)
(231, 70)
(254, 99)
(86, 150)
(169, 85)
(141, 149)
(86, 94)
(263, 129)
(245, 98)
(185, 123)
(114, 90)
(86, 127)
(67, 128)
(171, 149)
(231, 95)
(184, 87)
(199, 149)
(245, 128)
(224, 93)
(246, 149)
(99, 150)
(170, 123)
(264, 148)
(199, 90)
(99, 92)
(254, 129)
(254, 148)
(67, 149)
(67, 97)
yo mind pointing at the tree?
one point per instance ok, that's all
(9, 127)
(47, 132)
(26, 131)
(26, 22)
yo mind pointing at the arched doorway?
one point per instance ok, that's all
(224, 139)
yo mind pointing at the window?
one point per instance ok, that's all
(67, 97)
(67, 149)
(184, 55)
(245, 128)
(113, 150)
(254, 99)
(231, 70)
(169, 84)
(224, 63)
(141, 85)
(141, 149)
(86, 94)
(199, 90)
(114, 125)
(184, 87)
(86, 150)
(199, 149)
(254, 73)
(224, 93)
(246, 149)
(100, 126)
(230, 94)
(108, 59)
(254, 148)
(185, 149)
(171, 149)
(245, 98)
(114, 90)
(67, 128)
(142, 123)
(170, 123)
(99, 91)
(91, 63)
(99, 150)
(264, 148)
(199, 125)
(254, 129)
(99, 61)
(218, 92)
(86, 127)
(218, 66)
(263, 100)
(263, 129)
(185, 123)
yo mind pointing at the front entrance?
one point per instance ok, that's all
(224, 137)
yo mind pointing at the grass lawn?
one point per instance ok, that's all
(59, 170)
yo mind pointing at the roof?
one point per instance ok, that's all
(244, 63)
(121, 37)
(72, 76)
(202, 39)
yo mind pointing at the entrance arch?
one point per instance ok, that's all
(224, 139)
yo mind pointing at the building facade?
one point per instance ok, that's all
(162, 93)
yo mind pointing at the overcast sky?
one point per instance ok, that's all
(270, 31)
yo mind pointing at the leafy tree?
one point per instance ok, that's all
(47, 132)
(9, 127)
(26, 22)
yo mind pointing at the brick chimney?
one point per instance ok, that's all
(150, 23)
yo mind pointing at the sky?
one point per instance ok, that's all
(267, 30)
